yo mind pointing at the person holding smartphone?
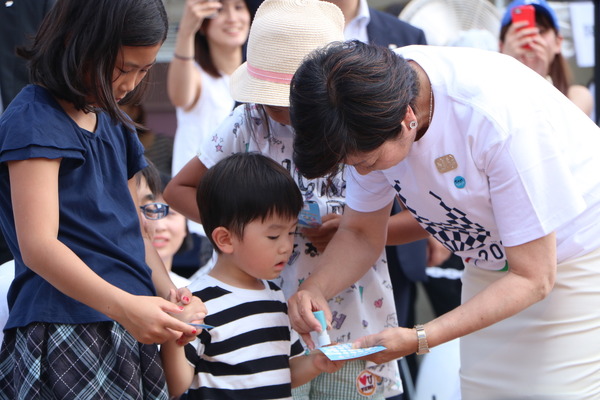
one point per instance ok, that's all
(536, 42)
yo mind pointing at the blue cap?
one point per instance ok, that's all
(540, 6)
(320, 315)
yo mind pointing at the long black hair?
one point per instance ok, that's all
(76, 48)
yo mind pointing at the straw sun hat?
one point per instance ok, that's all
(282, 34)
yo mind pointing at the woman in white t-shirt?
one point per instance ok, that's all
(493, 162)
(209, 47)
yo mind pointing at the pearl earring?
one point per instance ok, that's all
(413, 124)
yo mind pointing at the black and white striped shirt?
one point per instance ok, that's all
(246, 355)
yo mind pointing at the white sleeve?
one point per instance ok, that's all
(366, 193)
(185, 144)
(229, 138)
(532, 188)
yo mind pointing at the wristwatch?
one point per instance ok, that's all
(422, 340)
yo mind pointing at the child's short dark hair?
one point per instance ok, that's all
(245, 187)
(76, 47)
(152, 176)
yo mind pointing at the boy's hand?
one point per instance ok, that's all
(324, 364)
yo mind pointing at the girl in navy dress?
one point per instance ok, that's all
(90, 296)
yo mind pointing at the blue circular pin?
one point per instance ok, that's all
(460, 182)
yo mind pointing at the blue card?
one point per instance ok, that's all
(310, 216)
(202, 326)
(345, 351)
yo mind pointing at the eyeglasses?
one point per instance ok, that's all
(155, 211)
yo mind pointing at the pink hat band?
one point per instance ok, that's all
(269, 76)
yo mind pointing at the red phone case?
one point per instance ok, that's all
(524, 13)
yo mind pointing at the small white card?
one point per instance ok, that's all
(345, 351)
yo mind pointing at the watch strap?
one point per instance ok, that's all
(422, 340)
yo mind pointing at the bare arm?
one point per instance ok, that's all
(184, 82)
(582, 97)
(37, 222)
(527, 46)
(437, 253)
(179, 373)
(532, 270)
(303, 369)
(160, 277)
(403, 228)
(180, 193)
(354, 248)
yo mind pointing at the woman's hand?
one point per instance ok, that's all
(527, 46)
(300, 310)
(195, 12)
(399, 342)
(321, 235)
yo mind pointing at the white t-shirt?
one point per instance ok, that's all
(215, 103)
(178, 280)
(527, 161)
(362, 309)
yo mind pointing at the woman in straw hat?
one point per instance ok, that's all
(497, 165)
(282, 34)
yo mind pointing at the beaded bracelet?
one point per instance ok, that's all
(184, 58)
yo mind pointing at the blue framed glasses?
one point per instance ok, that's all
(155, 211)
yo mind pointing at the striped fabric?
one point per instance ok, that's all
(246, 356)
(88, 361)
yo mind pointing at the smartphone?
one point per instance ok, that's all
(524, 13)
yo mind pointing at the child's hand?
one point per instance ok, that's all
(324, 364)
(182, 296)
(321, 235)
(193, 311)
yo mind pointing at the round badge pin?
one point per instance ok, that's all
(460, 182)
(366, 383)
